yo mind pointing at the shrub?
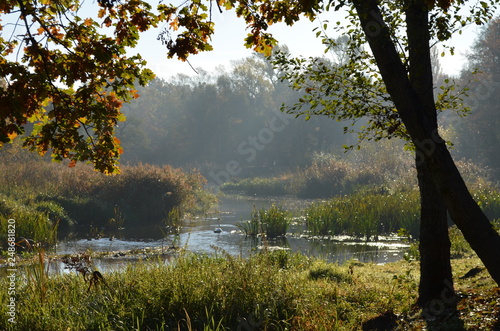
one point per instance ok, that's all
(144, 194)
(324, 178)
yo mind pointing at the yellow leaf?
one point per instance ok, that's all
(174, 24)
(88, 22)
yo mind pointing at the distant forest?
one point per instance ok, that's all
(210, 120)
(228, 123)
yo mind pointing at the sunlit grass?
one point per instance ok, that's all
(201, 291)
(364, 214)
(268, 290)
(272, 222)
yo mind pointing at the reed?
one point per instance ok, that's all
(367, 214)
(80, 196)
(251, 227)
(30, 224)
(274, 186)
(272, 222)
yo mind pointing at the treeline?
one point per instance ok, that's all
(226, 123)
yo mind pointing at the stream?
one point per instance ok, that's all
(198, 235)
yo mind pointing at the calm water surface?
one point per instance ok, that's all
(198, 235)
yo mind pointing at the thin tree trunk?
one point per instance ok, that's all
(431, 149)
(436, 280)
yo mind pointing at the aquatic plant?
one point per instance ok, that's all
(274, 221)
(173, 220)
(366, 214)
(251, 227)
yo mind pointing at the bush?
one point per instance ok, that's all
(324, 178)
(143, 194)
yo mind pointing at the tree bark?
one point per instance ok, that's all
(436, 280)
(431, 149)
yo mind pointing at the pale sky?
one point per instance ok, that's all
(300, 39)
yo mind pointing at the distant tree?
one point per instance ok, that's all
(480, 134)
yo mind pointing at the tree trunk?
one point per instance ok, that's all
(436, 280)
(431, 149)
(436, 283)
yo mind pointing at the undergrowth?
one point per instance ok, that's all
(42, 195)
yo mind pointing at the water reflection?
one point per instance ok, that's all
(198, 235)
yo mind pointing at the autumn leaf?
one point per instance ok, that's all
(12, 135)
(175, 24)
(88, 22)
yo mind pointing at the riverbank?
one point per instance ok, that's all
(268, 290)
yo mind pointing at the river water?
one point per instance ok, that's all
(198, 235)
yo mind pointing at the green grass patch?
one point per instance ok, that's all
(364, 214)
(272, 222)
(268, 290)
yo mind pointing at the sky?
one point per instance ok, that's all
(229, 39)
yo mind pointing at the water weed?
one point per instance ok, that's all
(366, 214)
(272, 222)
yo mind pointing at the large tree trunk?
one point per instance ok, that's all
(431, 149)
(436, 280)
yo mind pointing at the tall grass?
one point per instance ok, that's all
(271, 290)
(143, 195)
(276, 186)
(364, 214)
(273, 222)
(30, 223)
(330, 175)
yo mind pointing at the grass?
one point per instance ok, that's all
(30, 222)
(366, 214)
(269, 290)
(272, 223)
